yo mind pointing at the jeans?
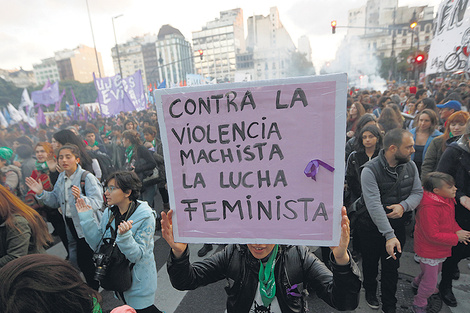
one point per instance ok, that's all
(80, 255)
(373, 250)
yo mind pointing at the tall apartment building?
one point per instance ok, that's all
(175, 55)
(70, 64)
(220, 41)
(46, 70)
(270, 45)
(167, 55)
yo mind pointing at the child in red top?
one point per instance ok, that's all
(436, 231)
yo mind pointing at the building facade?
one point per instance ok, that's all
(46, 70)
(70, 64)
(20, 78)
(166, 56)
(220, 41)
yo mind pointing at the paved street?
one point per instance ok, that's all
(212, 298)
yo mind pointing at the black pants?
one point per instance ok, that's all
(150, 309)
(57, 221)
(459, 252)
(84, 256)
(373, 250)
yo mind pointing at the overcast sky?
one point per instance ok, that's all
(31, 30)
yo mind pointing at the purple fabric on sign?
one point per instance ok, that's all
(313, 166)
(116, 94)
(48, 96)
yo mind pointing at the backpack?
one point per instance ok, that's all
(161, 167)
(106, 164)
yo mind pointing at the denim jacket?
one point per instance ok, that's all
(136, 244)
(94, 197)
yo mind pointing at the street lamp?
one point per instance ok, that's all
(115, 40)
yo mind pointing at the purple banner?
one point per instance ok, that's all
(47, 96)
(116, 94)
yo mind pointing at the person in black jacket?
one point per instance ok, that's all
(268, 277)
(455, 161)
(140, 160)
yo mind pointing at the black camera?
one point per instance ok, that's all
(101, 261)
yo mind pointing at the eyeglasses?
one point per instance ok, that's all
(110, 188)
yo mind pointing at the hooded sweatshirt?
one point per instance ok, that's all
(435, 230)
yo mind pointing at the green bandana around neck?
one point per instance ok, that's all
(267, 282)
(96, 306)
(129, 153)
(42, 167)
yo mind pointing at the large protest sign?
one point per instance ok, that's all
(450, 47)
(258, 162)
(116, 94)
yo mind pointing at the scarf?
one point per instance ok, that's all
(129, 153)
(96, 306)
(267, 282)
(42, 167)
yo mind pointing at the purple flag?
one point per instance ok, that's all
(47, 96)
(47, 85)
(75, 106)
(57, 104)
(116, 94)
(41, 118)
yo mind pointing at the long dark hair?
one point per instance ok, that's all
(44, 283)
(359, 145)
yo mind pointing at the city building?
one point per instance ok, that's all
(387, 27)
(46, 70)
(69, 64)
(78, 64)
(130, 58)
(269, 45)
(20, 78)
(219, 41)
(304, 47)
(166, 56)
(175, 55)
(380, 30)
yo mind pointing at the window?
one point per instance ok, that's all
(403, 41)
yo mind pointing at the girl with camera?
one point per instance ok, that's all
(134, 224)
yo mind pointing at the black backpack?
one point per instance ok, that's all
(106, 164)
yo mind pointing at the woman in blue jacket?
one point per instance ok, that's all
(423, 134)
(135, 224)
(67, 189)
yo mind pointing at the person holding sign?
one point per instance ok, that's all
(268, 277)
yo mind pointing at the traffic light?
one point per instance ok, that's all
(333, 26)
(201, 53)
(420, 59)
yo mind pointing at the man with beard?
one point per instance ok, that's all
(391, 190)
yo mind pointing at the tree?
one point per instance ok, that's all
(402, 66)
(9, 93)
(299, 65)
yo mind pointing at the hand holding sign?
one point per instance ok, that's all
(341, 251)
(167, 232)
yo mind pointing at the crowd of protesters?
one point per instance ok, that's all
(83, 176)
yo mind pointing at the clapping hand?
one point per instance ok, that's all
(81, 206)
(124, 227)
(34, 185)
